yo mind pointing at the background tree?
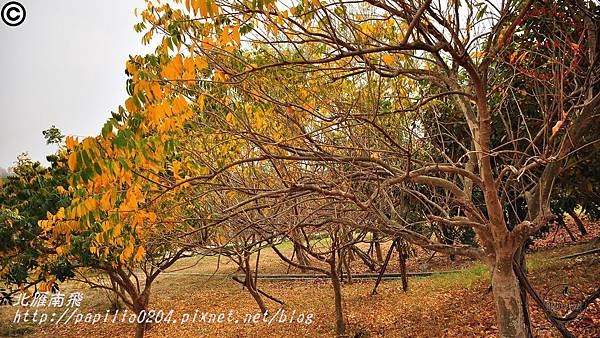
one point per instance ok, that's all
(26, 197)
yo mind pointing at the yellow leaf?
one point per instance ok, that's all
(156, 91)
(139, 254)
(61, 213)
(179, 104)
(176, 168)
(128, 251)
(201, 5)
(260, 119)
(235, 34)
(72, 161)
(90, 204)
(117, 230)
(130, 105)
(178, 63)
(388, 59)
(478, 54)
(201, 63)
(105, 201)
(201, 102)
(44, 287)
(71, 142)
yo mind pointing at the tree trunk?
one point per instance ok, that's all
(571, 236)
(298, 250)
(578, 221)
(254, 292)
(378, 253)
(340, 326)
(251, 285)
(140, 328)
(347, 265)
(403, 255)
(302, 259)
(139, 305)
(522, 264)
(507, 298)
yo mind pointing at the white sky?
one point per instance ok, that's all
(64, 66)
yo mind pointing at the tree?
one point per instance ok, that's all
(53, 135)
(25, 198)
(117, 223)
(369, 71)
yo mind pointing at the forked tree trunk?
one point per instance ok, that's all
(251, 285)
(254, 292)
(507, 298)
(139, 301)
(298, 250)
(302, 258)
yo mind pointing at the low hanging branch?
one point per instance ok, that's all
(237, 279)
(525, 282)
(387, 260)
(556, 321)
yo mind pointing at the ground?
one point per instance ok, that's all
(455, 304)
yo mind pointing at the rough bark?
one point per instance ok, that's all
(507, 298)
(256, 296)
(383, 267)
(140, 328)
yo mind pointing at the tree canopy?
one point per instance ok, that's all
(449, 125)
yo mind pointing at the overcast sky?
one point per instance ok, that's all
(64, 66)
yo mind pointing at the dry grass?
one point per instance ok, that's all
(457, 304)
